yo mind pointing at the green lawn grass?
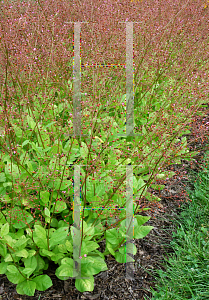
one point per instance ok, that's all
(187, 270)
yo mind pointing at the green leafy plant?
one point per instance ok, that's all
(39, 154)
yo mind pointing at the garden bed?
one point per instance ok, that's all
(112, 284)
(38, 133)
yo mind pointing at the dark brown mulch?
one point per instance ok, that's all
(112, 284)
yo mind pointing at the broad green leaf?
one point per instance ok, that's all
(58, 236)
(123, 99)
(98, 229)
(67, 261)
(141, 184)
(89, 188)
(39, 237)
(53, 163)
(5, 229)
(9, 240)
(47, 219)
(2, 177)
(110, 248)
(67, 146)
(127, 161)
(31, 122)
(13, 236)
(28, 271)
(17, 215)
(141, 219)
(8, 258)
(25, 143)
(98, 253)
(40, 231)
(39, 150)
(112, 160)
(84, 285)
(60, 185)
(31, 263)
(40, 263)
(29, 166)
(3, 250)
(31, 253)
(112, 236)
(74, 231)
(101, 190)
(47, 212)
(123, 249)
(45, 252)
(89, 231)
(121, 258)
(29, 287)
(17, 131)
(15, 277)
(141, 231)
(92, 265)
(54, 222)
(91, 246)
(3, 267)
(56, 257)
(12, 269)
(69, 246)
(109, 179)
(20, 234)
(5, 184)
(135, 183)
(62, 223)
(95, 200)
(43, 282)
(22, 253)
(59, 207)
(21, 243)
(51, 231)
(44, 197)
(19, 288)
(84, 150)
(29, 233)
(13, 170)
(62, 248)
(65, 184)
(84, 249)
(48, 125)
(66, 270)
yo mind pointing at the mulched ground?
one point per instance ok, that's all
(112, 284)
